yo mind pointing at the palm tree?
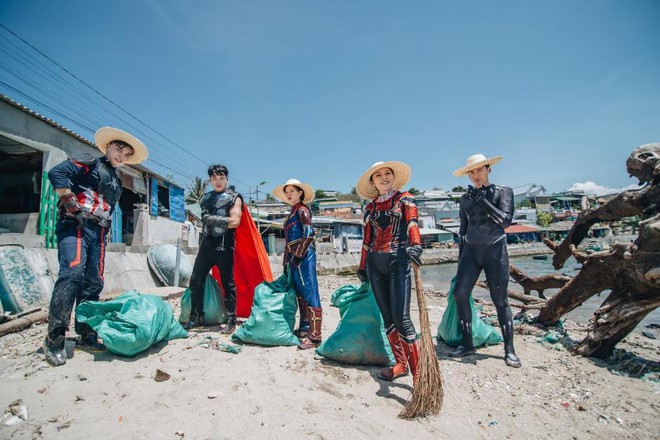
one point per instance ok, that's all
(196, 190)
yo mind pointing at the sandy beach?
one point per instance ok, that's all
(282, 392)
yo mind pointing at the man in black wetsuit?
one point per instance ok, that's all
(221, 215)
(485, 211)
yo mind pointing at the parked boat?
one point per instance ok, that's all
(540, 257)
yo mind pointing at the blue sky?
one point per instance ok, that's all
(320, 90)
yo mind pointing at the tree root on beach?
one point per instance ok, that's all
(631, 271)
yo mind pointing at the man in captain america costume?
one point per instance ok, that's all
(300, 259)
(486, 210)
(88, 188)
(221, 215)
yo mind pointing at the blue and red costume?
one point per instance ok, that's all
(390, 227)
(81, 239)
(300, 260)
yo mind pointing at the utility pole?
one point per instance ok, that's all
(258, 217)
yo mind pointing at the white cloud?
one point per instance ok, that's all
(593, 189)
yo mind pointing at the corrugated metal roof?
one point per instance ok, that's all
(49, 121)
(521, 229)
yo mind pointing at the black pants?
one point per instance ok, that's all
(389, 276)
(494, 260)
(205, 260)
(81, 254)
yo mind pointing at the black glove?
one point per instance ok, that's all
(81, 218)
(415, 253)
(476, 194)
(215, 220)
(362, 275)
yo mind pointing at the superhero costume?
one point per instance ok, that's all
(390, 231)
(300, 260)
(216, 249)
(484, 214)
(82, 234)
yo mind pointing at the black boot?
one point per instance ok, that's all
(54, 351)
(195, 320)
(467, 346)
(510, 357)
(230, 326)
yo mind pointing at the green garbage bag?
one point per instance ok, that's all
(360, 336)
(449, 330)
(132, 322)
(214, 304)
(273, 315)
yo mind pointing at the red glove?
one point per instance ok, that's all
(70, 203)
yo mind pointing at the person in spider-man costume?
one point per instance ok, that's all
(391, 241)
(486, 210)
(300, 259)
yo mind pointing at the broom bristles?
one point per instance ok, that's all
(428, 393)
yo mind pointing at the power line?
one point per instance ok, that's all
(101, 94)
(88, 118)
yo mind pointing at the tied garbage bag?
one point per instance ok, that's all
(214, 304)
(162, 261)
(360, 336)
(132, 322)
(273, 315)
(449, 330)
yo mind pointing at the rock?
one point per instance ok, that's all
(212, 395)
(648, 334)
(161, 376)
(17, 413)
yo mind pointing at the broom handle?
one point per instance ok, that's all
(419, 287)
(424, 323)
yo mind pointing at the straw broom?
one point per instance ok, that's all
(428, 393)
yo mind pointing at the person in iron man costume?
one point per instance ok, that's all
(391, 241)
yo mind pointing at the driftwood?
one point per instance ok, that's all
(19, 324)
(540, 284)
(631, 271)
(528, 302)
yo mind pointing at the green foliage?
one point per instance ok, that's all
(319, 194)
(630, 221)
(544, 218)
(196, 189)
(459, 188)
(414, 191)
(526, 203)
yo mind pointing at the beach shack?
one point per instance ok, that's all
(151, 208)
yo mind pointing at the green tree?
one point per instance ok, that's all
(414, 191)
(269, 197)
(354, 191)
(458, 189)
(526, 203)
(196, 190)
(319, 194)
(544, 218)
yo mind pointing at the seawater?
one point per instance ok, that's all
(438, 277)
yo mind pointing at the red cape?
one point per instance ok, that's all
(251, 265)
